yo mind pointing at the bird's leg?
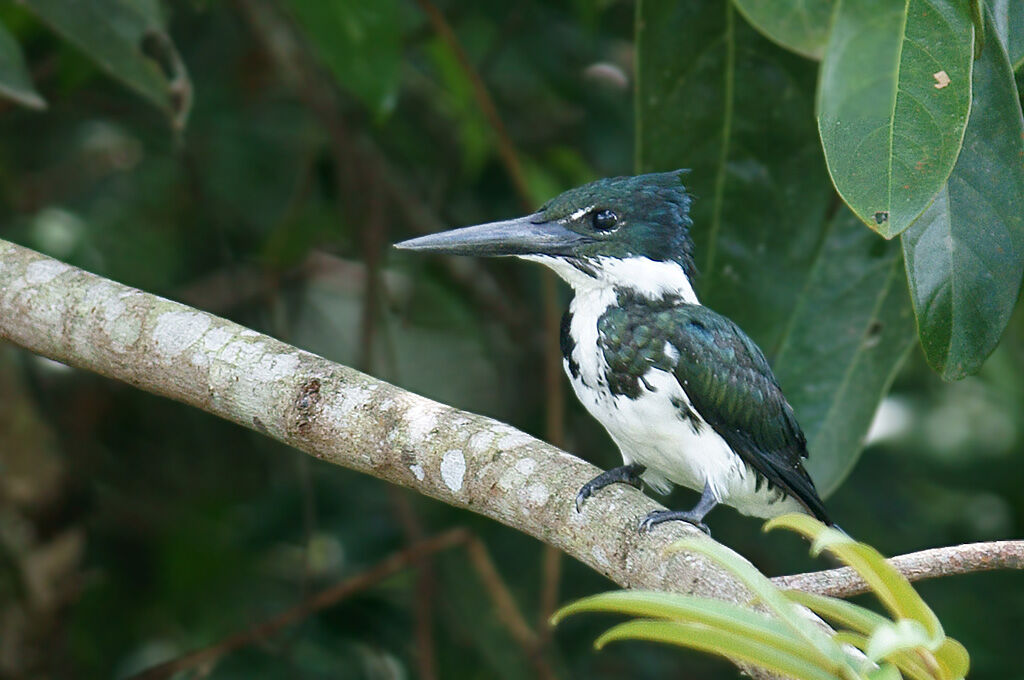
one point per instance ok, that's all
(624, 474)
(695, 516)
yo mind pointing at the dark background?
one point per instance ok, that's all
(133, 530)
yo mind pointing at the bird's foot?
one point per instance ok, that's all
(694, 516)
(625, 474)
(659, 516)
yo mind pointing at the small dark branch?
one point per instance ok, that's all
(506, 608)
(483, 98)
(550, 579)
(426, 586)
(918, 566)
(322, 600)
(373, 235)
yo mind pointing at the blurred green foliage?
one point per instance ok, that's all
(864, 645)
(265, 181)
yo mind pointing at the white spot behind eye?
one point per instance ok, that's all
(579, 213)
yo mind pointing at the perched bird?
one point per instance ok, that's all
(688, 398)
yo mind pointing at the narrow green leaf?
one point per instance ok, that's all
(722, 616)
(720, 643)
(965, 256)
(127, 39)
(891, 587)
(863, 622)
(893, 637)
(845, 338)
(15, 81)
(360, 43)
(885, 672)
(953, 657)
(801, 27)
(838, 611)
(1008, 17)
(894, 97)
(764, 591)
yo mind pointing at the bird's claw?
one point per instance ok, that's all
(583, 495)
(626, 474)
(659, 516)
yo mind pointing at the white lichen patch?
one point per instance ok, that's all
(597, 552)
(537, 495)
(177, 331)
(242, 353)
(273, 367)
(453, 469)
(514, 440)
(480, 442)
(42, 271)
(417, 471)
(108, 301)
(526, 466)
(421, 418)
(509, 479)
(216, 338)
(350, 399)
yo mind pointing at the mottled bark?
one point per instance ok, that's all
(342, 416)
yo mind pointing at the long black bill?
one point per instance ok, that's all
(529, 235)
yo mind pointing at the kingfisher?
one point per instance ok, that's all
(685, 394)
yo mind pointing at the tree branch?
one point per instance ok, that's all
(957, 559)
(343, 417)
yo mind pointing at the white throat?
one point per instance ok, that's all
(651, 279)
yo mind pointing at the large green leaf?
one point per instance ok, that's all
(360, 42)
(825, 299)
(714, 96)
(1008, 16)
(15, 81)
(893, 101)
(846, 337)
(128, 40)
(965, 256)
(798, 26)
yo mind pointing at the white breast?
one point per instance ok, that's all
(653, 431)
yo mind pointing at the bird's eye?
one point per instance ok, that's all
(605, 220)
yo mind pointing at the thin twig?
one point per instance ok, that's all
(501, 597)
(506, 149)
(321, 600)
(917, 566)
(423, 604)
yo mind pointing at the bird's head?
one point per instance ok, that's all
(626, 232)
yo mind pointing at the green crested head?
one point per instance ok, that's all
(622, 231)
(644, 216)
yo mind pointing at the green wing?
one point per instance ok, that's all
(731, 386)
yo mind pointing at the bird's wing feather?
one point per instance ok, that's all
(731, 385)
